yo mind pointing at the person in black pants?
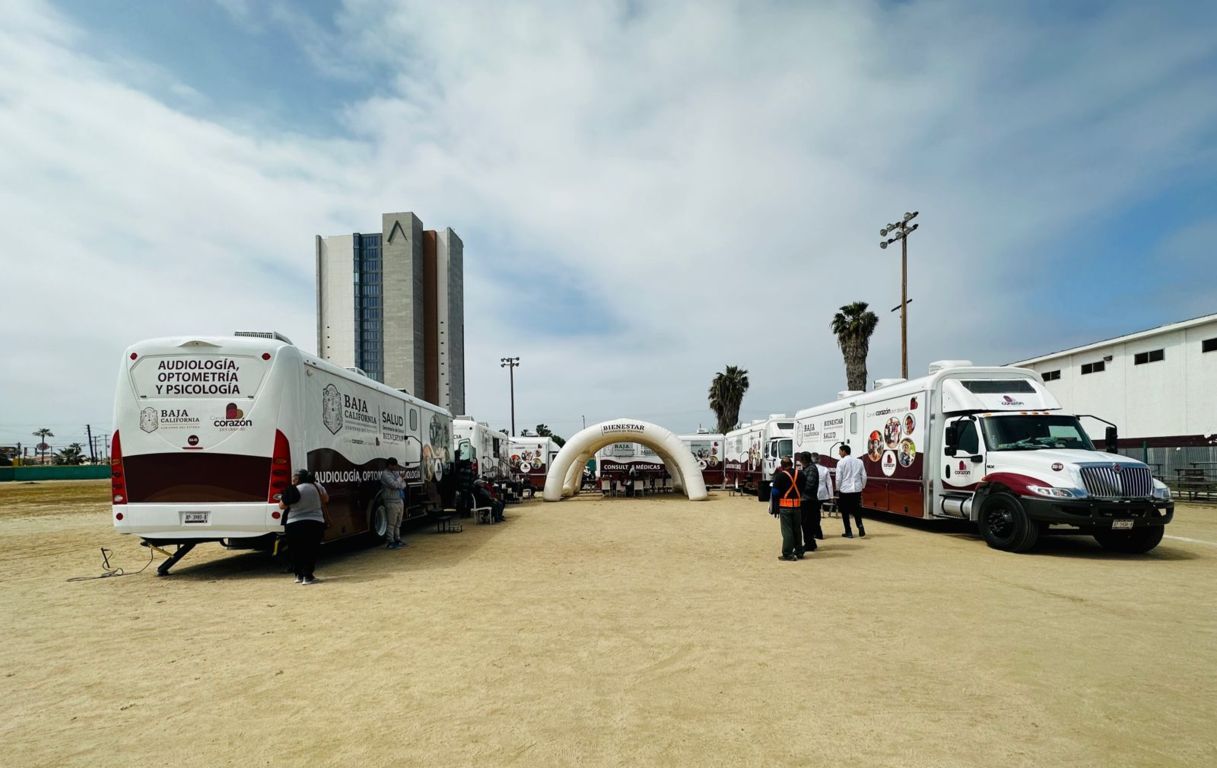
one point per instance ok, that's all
(810, 505)
(304, 524)
(851, 481)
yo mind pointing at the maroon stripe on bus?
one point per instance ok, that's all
(165, 478)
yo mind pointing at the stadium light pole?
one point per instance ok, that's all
(511, 363)
(902, 231)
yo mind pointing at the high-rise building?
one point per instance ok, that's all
(392, 304)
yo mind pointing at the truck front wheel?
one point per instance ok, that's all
(1004, 524)
(1135, 542)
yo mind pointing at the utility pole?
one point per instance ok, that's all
(902, 230)
(511, 363)
(92, 452)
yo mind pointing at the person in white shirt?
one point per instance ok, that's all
(851, 479)
(822, 493)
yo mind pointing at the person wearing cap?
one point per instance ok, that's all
(392, 493)
(305, 521)
(787, 497)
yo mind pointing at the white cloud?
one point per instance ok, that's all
(717, 172)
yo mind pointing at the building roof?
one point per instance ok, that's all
(1121, 339)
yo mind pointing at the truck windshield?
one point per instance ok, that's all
(1030, 433)
(783, 448)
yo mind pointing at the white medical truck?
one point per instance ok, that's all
(708, 449)
(530, 457)
(754, 451)
(993, 446)
(208, 431)
(488, 449)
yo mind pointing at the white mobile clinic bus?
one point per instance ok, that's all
(990, 445)
(208, 431)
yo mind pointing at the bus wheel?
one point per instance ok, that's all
(1135, 542)
(378, 520)
(1004, 524)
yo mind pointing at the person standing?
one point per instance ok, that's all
(392, 493)
(823, 491)
(306, 521)
(786, 491)
(851, 479)
(809, 510)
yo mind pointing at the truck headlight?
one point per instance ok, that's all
(1161, 492)
(1058, 493)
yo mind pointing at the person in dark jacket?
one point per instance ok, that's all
(485, 496)
(809, 510)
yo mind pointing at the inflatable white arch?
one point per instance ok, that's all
(566, 470)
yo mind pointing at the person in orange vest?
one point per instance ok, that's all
(787, 494)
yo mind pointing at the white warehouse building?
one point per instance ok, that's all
(1158, 386)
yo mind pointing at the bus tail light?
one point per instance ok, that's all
(280, 468)
(118, 480)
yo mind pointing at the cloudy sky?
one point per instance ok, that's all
(647, 191)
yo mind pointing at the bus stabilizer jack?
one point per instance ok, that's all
(182, 551)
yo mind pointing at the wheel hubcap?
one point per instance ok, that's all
(1001, 521)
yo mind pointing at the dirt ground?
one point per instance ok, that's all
(606, 632)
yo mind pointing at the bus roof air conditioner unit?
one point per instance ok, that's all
(942, 365)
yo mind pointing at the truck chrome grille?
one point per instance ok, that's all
(1118, 481)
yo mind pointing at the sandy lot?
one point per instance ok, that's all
(606, 632)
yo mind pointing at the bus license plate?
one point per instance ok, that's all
(195, 517)
(1121, 525)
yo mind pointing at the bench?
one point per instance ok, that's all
(1195, 488)
(448, 522)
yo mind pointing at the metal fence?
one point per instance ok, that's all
(1170, 464)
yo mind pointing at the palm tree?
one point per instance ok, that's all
(73, 454)
(726, 393)
(853, 326)
(42, 434)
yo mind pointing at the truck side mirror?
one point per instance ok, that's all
(1111, 439)
(951, 439)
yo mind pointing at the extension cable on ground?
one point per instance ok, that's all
(109, 570)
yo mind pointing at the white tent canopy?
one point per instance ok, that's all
(567, 468)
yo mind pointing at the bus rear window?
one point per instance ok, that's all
(203, 478)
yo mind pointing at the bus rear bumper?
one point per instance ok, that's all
(196, 522)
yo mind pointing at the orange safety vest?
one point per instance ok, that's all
(786, 500)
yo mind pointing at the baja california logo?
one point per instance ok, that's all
(148, 421)
(331, 408)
